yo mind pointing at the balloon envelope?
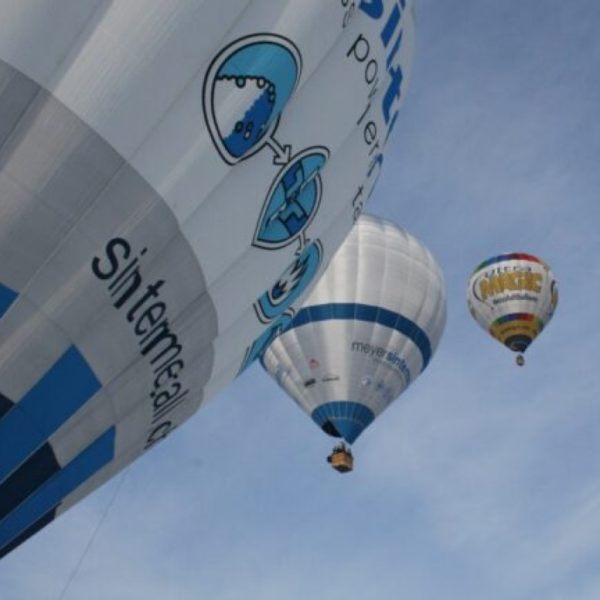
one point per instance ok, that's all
(366, 331)
(173, 178)
(513, 296)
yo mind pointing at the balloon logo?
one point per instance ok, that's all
(246, 88)
(292, 201)
(260, 343)
(290, 285)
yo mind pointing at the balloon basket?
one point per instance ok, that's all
(520, 360)
(341, 459)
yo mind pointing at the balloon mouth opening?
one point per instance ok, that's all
(329, 428)
(343, 419)
(518, 343)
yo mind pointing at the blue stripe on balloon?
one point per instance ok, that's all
(56, 489)
(56, 397)
(350, 419)
(31, 475)
(5, 405)
(7, 297)
(371, 314)
(27, 533)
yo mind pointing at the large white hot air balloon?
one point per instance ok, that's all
(365, 332)
(513, 296)
(162, 164)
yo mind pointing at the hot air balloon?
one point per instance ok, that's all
(513, 296)
(173, 178)
(364, 334)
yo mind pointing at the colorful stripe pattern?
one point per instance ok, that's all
(517, 330)
(511, 256)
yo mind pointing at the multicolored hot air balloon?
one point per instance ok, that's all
(365, 333)
(513, 296)
(173, 178)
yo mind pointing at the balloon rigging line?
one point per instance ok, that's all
(92, 537)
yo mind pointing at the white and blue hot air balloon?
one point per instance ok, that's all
(173, 177)
(367, 330)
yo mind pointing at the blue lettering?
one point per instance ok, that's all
(374, 8)
(390, 26)
(393, 51)
(392, 92)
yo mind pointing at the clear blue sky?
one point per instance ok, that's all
(483, 481)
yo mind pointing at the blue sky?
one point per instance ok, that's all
(482, 481)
